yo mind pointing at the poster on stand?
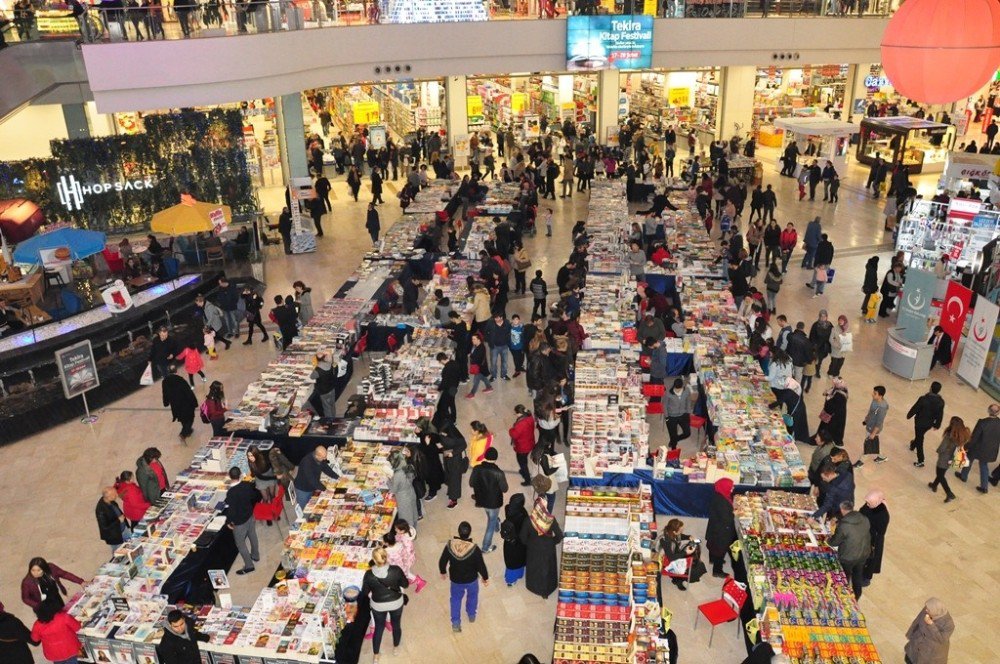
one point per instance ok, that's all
(376, 136)
(77, 369)
(531, 127)
(954, 312)
(977, 344)
(915, 305)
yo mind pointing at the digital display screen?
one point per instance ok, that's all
(609, 42)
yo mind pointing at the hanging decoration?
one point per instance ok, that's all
(940, 51)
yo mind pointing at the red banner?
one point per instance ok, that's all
(954, 311)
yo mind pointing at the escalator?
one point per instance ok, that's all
(41, 72)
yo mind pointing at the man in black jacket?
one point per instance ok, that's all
(799, 349)
(489, 484)
(451, 378)
(926, 413)
(228, 299)
(179, 644)
(163, 350)
(462, 562)
(110, 519)
(285, 229)
(180, 398)
(240, 500)
(307, 479)
(941, 341)
(287, 321)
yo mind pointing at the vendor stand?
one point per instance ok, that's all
(966, 170)
(959, 229)
(831, 137)
(921, 145)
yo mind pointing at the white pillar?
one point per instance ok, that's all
(608, 82)
(856, 88)
(565, 88)
(455, 109)
(737, 100)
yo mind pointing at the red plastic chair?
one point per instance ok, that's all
(271, 510)
(361, 346)
(727, 609)
(115, 263)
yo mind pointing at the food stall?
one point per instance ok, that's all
(831, 137)
(921, 145)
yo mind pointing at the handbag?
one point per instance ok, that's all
(821, 274)
(473, 369)
(871, 446)
(825, 417)
(406, 599)
(147, 375)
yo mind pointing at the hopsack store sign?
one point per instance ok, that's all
(72, 191)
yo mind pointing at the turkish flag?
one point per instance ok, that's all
(953, 312)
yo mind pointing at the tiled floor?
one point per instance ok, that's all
(52, 481)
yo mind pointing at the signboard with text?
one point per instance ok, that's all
(366, 112)
(77, 369)
(977, 344)
(609, 42)
(679, 96)
(915, 304)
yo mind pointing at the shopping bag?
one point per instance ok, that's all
(871, 445)
(830, 272)
(558, 463)
(846, 342)
(677, 569)
(147, 375)
(822, 275)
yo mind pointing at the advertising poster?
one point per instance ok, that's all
(77, 369)
(376, 136)
(977, 344)
(679, 96)
(518, 103)
(366, 112)
(609, 42)
(954, 312)
(915, 304)
(474, 108)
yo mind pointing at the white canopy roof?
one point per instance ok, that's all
(817, 126)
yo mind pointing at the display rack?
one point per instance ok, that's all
(959, 229)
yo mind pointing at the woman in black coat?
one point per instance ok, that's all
(14, 640)
(540, 535)
(870, 285)
(426, 458)
(515, 553)
(878, 521)
(819, 337)
(835, 405)
(721, 531)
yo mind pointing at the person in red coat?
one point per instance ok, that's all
(56, 631)
(134, 504)
(44, 582)
(789, 238)
(522, 437)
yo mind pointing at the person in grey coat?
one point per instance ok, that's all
(303, 295)
(213, 317)
(853, 541)
(677, 410)
(928, 638)
(984, 447)
(401, 486)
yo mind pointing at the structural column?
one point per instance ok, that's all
(456, 112)
(291, 137)
(855, 88)
(608, 93)
(77, 125)
(737, 101)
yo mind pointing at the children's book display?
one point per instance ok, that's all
(607, 609)
(804, 602)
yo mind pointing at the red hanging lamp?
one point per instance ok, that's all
(940, 51)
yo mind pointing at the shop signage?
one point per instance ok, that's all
(366, 112)
(474, 109)
(72, 191)
(679, 96)
(915, 303)
(518, 103)
(977, 344)
(609, 42)
(875, 83)
(77, 369)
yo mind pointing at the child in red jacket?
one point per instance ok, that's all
(522, 437)
(134, 504)
(193, 364)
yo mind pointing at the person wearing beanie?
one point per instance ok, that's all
(489, 484)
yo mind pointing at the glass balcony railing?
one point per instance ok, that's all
(135, 20)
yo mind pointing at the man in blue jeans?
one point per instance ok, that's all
(307, 479)
(497, 334)
(983, 447)
(489, 484)
(462, 562)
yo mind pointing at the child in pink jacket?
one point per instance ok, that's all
(193, 364)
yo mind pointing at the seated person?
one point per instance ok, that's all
(10, 320)
(241, 245)
(133, 267)
(125, 249)
(158, 270)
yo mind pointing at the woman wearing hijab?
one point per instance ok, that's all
(515, 553)
(878, 522)
(929, 634)
(401, 486)
(721, 531)
(795, 406)
(540, 535)
(833, 417)
(426, 458)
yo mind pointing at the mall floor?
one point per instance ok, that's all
(53, 480)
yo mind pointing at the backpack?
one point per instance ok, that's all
(504, 265)
(203, 411)
(508, 533)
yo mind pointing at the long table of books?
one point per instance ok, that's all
(607, 610)
(804, 603)
(123, 611)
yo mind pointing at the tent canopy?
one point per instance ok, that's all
(81, 244)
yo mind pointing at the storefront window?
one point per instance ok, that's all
(525, 100)
(688, 99)
(784, 91)
(403, 108)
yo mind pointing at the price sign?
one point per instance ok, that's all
(518, 102)
(679, 96)
(366, 112)
(474, 109)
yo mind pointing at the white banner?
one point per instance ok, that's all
(977, 344)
